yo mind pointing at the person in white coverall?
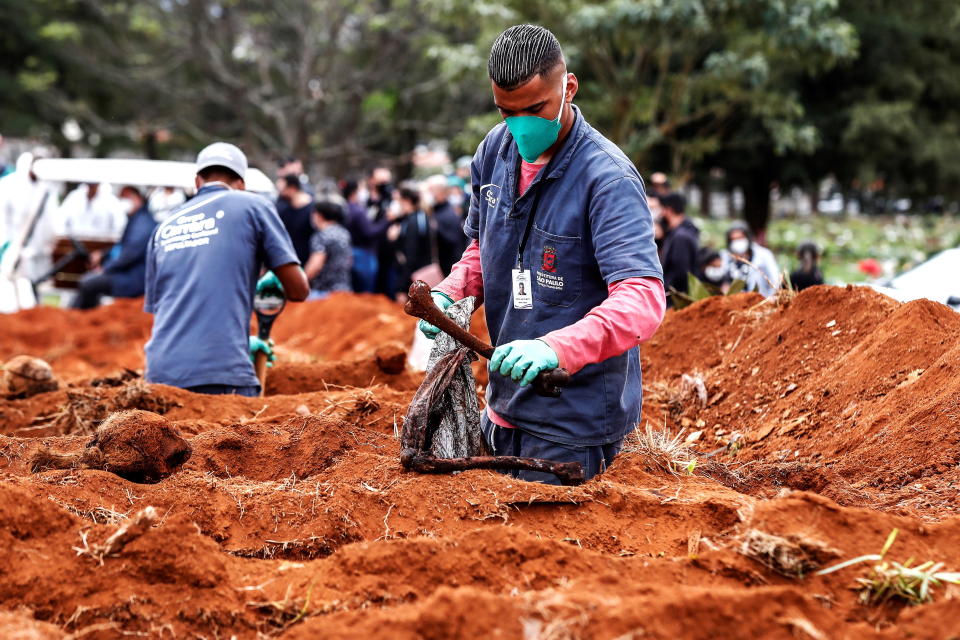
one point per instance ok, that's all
(20, 195)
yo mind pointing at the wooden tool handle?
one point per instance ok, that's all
(420, 305)
(260, 366)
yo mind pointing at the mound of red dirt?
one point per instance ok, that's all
(343, 326)
(846, 379)
(829, 421)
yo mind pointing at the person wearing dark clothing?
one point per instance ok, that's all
(329, 266)
(413, 243)
(366, 236)
(125, 267)
(296, 215)
(380, 189)
(711, 272)
(451, 240)
(680, 244)
(808, 274)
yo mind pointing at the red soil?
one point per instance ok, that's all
(293, 518)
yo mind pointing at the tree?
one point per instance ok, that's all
(690, 83)
(889, 117)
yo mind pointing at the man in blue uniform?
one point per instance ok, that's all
(563, 255)
(202, 269)
(123, 270)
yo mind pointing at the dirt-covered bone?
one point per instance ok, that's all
(139, 446)
(441, 433)
(420, 305)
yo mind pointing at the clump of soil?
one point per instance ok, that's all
(860, 390)
(391, 358)
(25, 376)
(139, 446)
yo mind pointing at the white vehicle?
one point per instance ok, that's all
(18, 292)
(936, 279)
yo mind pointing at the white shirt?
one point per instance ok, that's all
(761, 275)
(102, 217)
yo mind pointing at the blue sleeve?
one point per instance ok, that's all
(134, 249)
(276, 248)
(471, 225)
(622, 230)
(369, 229)
(150, 285)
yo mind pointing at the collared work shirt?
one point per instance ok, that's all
(592, 228)
(202, 268)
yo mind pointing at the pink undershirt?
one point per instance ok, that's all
(630, 315)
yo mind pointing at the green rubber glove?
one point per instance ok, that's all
(523, 360)
(269, 284)
(443, 302)
(256, 344)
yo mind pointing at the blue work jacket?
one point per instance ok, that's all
(128, 270)
(592, 227)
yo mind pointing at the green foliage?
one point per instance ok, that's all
(698, 290)
(768, 90)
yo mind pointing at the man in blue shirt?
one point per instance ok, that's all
(202, 269)
(123, 269)
(296, 215)
(563, 256)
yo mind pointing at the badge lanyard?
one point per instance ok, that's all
(522, 284)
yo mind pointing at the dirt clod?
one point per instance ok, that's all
(25, 376)
(139, 446)
(391, 358)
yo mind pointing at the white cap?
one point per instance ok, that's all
(223, 154)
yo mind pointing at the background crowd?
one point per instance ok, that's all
(367, 235)
(372, 235)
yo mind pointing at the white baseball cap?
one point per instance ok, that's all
(223, 154)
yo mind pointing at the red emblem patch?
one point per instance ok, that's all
(549, 263)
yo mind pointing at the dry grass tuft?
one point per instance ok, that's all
(689, 393)
(80, 415)
(137, 394)
(793, 556)
(661, 450)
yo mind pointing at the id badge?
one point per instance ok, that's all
(522, 289)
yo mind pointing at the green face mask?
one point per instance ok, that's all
(534, 134)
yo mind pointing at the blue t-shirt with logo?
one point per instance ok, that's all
(202, 268)
(591, 228)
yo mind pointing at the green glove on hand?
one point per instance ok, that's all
(523, 360)
(256, 344)
(269, 284)
(443, 302)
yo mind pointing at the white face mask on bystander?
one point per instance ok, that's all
(715, 274)
(129, 205)
(740, 246)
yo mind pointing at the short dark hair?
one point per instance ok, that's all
(411, 195)
(330, 210)
(674, 201)
(706, 255)
(134, 190)
(350, 187)
(293, 182)
(218, 171)
(521, 52)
